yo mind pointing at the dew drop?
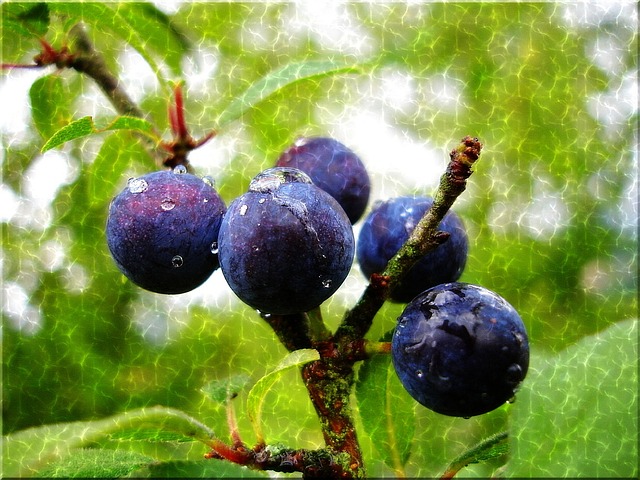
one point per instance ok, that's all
(167, 204)
(419, 373)
(327, 283)
(209, 181)
(271, 179)
(300, 141)
(243, 210)
(179, 169)
(214, 248)
(137, 185)
(514, 373)
(177, 261)
(262, 200)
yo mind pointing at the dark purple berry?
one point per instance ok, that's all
(334, 168)
(387, 228)
(162, 231)
(460, 349)
(285, 245)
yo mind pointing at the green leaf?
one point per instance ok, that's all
(150, 435)
(158, 31)
(197, 469)
(278, 79)
(85, 126)
(492, 447)
(220, 391)
(28, 19)
(131, 123)
(27, 451)
(76, 129)
(577, 413)
(121, 21)
(258, 393)
(386, 410)
(50, 104)
(96, 463)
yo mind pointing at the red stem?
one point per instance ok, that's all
(180, 127)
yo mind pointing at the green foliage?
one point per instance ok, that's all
(94, 463)
(29, 20)
(258, 393)
(577, 415)
(85, 126)
(550, 213)
(283, 77)
(29, 451)
(50, 100)
(386, 410)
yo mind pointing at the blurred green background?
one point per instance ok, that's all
(551, 211)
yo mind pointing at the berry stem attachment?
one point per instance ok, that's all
(176, 116)
(182, 142)
(424, 238)
(232, 422)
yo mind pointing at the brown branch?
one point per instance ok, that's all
(88, 61)
(329, 381)
(424, 238)
(321, 463)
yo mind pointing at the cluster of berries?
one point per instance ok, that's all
(286, 245)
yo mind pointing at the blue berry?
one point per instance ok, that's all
(387, 228)
(334, 168)
(161, 229)
(460, 349)
(285, 245)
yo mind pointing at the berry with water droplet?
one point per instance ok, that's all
(460, 349)
(160, 230)
(334, 168)
(286, 245)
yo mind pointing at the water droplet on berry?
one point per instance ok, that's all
(300, 141)
(262, 200)
(214, 248)
(167, 204)
(243, 210)
(180, 169)
(177, 261)
(137, 185)
(209, 181)
(271, 179)
(419, 373)
(327, 283)
(514, 374)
